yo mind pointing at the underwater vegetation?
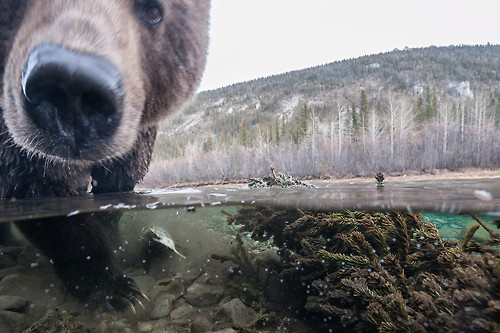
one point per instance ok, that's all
(357, 271)
(56, 321)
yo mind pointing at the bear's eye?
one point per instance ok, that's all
(150, 12)
(153, 14)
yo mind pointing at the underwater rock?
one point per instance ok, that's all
(163, 306)
(226, 330)
(26, 283)
(238, 313)
(178, 326)
(201, 325)
(12, 321)
(203, 295)
(6, 261)
(145, 326)
(117, 326)
(29, 257)
(9, 271)
(172, 286)
(13, 303)
(14, 282)
(183, 312)
(12, 251)
(161, 326)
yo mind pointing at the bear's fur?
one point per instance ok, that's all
(158, 47)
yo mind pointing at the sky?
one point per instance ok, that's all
(250, 39)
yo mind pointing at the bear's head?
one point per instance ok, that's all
(81, 78)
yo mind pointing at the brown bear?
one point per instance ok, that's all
(84, 84)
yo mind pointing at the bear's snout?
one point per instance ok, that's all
(83, 80)
(72, 95)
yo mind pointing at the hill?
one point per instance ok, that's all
(436, 107)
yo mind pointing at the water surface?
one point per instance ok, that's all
(446, 196)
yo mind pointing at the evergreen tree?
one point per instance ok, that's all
(363, 105)
(355, 121)
(431, 103)
(294, 134)
(419, 108)
(303, 121)
(275, 127)
(494, 105)
(208, 145)
(244, 136)
(434, 101)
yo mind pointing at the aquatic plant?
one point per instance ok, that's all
(263, 222)
(56, 321)
(381, 271)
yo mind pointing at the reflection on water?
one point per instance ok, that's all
(260, 260)
(447, 196)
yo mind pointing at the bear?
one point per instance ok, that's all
(84, 85)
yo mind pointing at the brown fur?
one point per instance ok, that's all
(159, 65)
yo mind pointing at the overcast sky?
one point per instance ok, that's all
(257, 38)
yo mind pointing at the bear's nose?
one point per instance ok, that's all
(74, 96)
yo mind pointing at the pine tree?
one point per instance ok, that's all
(276, 130)
(294, 134)
(244, 136)
(208, 145)
(494, 105)
(283, 129)
(363, 105)
(419, 107)
(303, 121)
(431, 103)
(355, 121)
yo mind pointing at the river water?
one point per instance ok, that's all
(248, 276)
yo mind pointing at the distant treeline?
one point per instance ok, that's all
(348, 118)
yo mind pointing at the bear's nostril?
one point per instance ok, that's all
(74, 96)
(97, 101)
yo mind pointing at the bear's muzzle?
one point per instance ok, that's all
(75, 97)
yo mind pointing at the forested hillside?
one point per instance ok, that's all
(412, 109)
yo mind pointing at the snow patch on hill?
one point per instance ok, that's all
(289, 105)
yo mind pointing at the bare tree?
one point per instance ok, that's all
(392, 116)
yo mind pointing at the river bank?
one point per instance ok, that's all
(437, 174)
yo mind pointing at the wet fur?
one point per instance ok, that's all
(160, 66)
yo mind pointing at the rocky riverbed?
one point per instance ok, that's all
(197, 302)
(218, 288)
